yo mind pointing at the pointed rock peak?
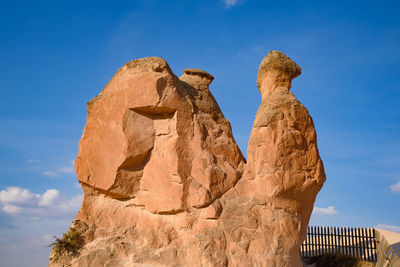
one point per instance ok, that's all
(197, 78)
(276, 70)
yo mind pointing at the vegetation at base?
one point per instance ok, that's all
(69, 244)
(336, 260)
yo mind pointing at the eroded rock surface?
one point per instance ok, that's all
(165, 183)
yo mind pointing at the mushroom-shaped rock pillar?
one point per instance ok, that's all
(284, 170)
(283, 156)
(199, 79)
(276, 71)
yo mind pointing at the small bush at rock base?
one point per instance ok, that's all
(69, 244)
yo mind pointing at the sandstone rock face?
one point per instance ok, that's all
(165, 183)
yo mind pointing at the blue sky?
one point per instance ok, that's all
(56, 55)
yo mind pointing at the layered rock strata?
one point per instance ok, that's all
(165, 183)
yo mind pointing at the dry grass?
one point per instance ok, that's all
(69, 244)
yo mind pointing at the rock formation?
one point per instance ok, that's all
(165, 183)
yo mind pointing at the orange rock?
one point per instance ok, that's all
(284, 172)
(165, 183)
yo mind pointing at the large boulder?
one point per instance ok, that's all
(165, 183)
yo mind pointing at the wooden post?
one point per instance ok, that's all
(319, 240)
(310, 246)
(322, 240)
(352, 242)
(337, 240)
(330, 247)
(341, 241)
(307, 247)
(325, 240)
(355, 245)
(347, 242)
(335, 247)
(374, 242)
(357, 238)
(361, 242)
(368, 245)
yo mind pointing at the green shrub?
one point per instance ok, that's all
(69, 244)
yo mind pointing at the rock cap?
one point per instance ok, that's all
(199, 72)
(197, 78)
(278, 62)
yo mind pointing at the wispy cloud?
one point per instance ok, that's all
(35, 244)
(32, 160)
(50, 174)
(325, 211)
(77, 185)
(395, 187)
(18, 201)
(391, 228)
(68, 169)
(65, 169)
(258, 48)
(231, 3)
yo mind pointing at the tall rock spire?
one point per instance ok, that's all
(284, 171)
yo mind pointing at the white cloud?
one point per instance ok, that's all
(74, 203)
(15, 194)
(391, 228)
(18, 201)
(70, 169)
(11, 209)
(49, 197)
(231, 3)
(50, 174)
(67, 169)
(395, 187)
(325, 211)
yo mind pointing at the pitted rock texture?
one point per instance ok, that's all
(165, 183)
